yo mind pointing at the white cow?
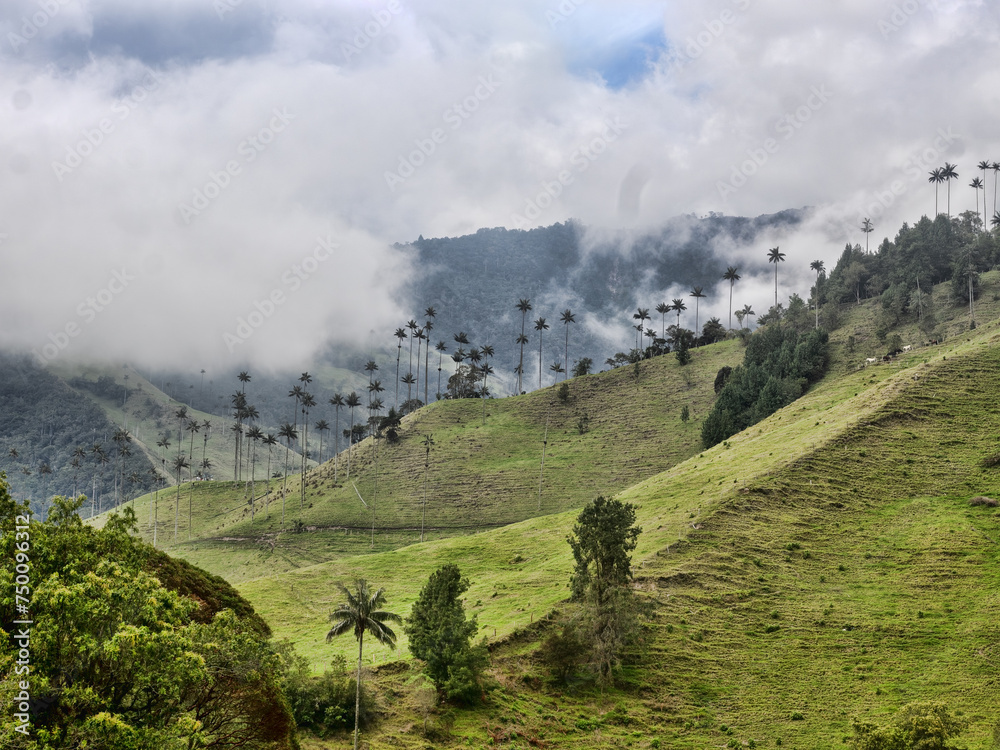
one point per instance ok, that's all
(870, 361)
(907, 347)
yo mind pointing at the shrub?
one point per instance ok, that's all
(986, 501)
(563, 392)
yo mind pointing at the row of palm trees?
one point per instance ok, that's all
(949, 172)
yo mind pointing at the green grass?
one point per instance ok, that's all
(479, 476)
(870, 474)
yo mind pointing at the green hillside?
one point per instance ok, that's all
(613, 430)
(824, 563)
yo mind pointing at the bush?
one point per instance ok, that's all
(926, 725)
(989, 502)
(325, 703)
(563, 651)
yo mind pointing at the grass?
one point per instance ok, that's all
(825, 563)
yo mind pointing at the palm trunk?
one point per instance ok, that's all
(567, 352)
(284, 480)
(336, 439)
(357, 690)
(730, 305)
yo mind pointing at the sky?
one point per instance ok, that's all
(222, 181)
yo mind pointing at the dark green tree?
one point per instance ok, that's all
(603, 537)
(441, 636)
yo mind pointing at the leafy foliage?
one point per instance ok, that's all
(778, 364)
(120, 660)
(440, 635)
(924, 725)
(603, 536)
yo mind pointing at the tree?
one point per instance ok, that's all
(336, 402)
(400, 334)
(352, 402)
(775, 256)
(817, 266)
(361, 614)
(540, 326)
(936, 176)
(698, 295)
(431, 313)
(441, 636)
(948, 174)
(678, 306)
(996, 174)
(524, 305)
(582, 367)
(180, 463)
(867, 227)
(642, 315)
(441, 348)
(977, 185)
(307, 402)
(289, 433)
(732, 275)
(927, 725)
(566, 318)
(603, 537)
(321, 427)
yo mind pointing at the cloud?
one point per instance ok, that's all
(439, 118)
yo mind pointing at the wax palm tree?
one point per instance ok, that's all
(540, 326)
(412, 325)
(996, 173)
(732, 275)
(441, 349)
(307, 403)
(977, 185)
(409, 380)
(254, 434)
(678, 305)
(270, 440)
(524, 305)
(663, 308)
(400, 334)
(321, 427)
(428, 442)
(566, 318)
(180, 463)
(642, 315)
(336, 402)
(747, 311)
(289, 433)
(995, 221)
(936, 176)
(295, 393)
(818, 267)
(361, 614)
(421, 337)
(371, 367)
(948, 173)
(775, 256)
(430, 313)
(698, 294)
(867, 227)
(352, 402)
(984, 165)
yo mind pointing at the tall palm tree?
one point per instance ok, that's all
(540, 326)
(254, 434)
(421, 337)
(307, 402)
(642, 315)
(995, 221)
(937, 177)
(400, 334)
(977, 185)
(361, 614)
(428, 442)
(441, 349)
(180, 463)
(732, 275)
(678, 305)
(867, 227)
(371, 367)
(663, 308)
(775, 256)
(985, 166)
(698, 294)
(566, 318)
(409, 380)
(747, 311)
(524, 305)
(818, 267)
(996, 173)
(949, 173)
(289, 433)
(352, 402)
(412, 325)
(270, 440)
(430, 313)
(295, 393)
(321, 427)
